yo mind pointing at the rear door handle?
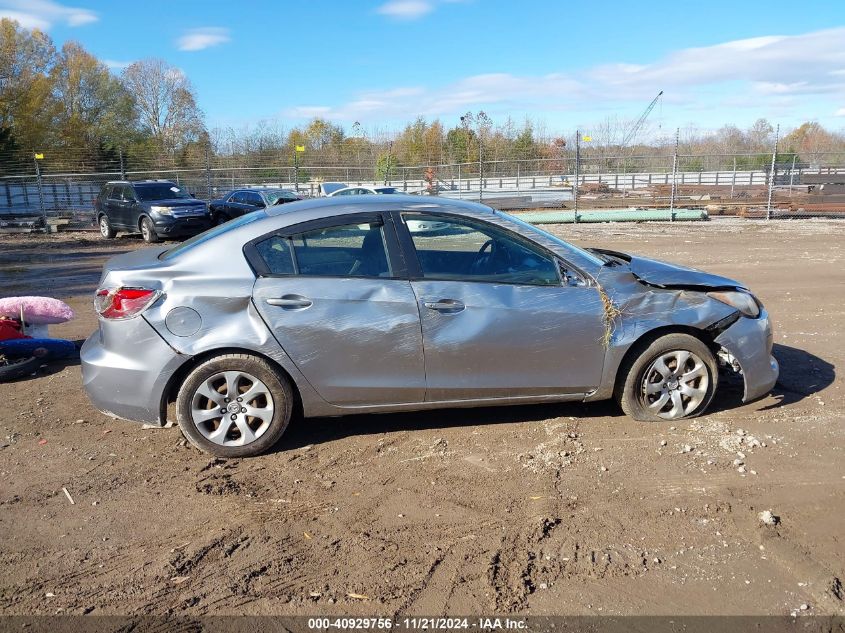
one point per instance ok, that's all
(290, 302)
(445, 305)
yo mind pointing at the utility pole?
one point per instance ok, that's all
(772, 175)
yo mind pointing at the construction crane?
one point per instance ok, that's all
(636, 127)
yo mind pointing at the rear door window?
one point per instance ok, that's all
(350, 250)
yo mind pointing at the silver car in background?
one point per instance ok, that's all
(333, 306)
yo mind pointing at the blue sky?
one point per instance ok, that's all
(566, 63)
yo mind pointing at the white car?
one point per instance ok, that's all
(328, 188)
(362, 191)
(414, 226)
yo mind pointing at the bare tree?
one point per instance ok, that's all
(165, 101)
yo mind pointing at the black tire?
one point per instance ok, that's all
(148, 231)
(106, 229)
(221, 218)
(14, 368)
(631, 388)
(278, 386)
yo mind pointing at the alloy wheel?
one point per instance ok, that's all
(675, 384)
(232, 408)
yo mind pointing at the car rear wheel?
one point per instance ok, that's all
(148, 231)
(673, 378)
(234, 405)
(106, 229)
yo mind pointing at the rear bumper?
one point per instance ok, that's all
(126, 367)
(750, 342)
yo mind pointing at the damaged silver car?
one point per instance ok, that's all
(338, 306)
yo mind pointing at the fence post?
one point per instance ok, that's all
(40, 192)
(460, 184)
(792, 174)
(674, 175)
(208, 172)
(480, 169)
(772, 175)
(577, 172)
(517, 176)
(122, 169)
(733, 179)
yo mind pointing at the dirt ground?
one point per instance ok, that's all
(554, 509)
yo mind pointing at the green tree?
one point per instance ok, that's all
(92, 108)
(25, 91)
(386, 166)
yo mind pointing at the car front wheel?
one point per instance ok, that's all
(234, 405)
(106, 229)
(673, 378)
(148, 231)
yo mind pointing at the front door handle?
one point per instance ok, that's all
(290, 302)
(445, 305)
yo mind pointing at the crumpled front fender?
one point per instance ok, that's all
(749, 341)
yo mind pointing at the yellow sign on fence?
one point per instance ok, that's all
(39, 156)
(587, 139)
(300, 148)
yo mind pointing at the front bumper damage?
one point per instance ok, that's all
(749, 341)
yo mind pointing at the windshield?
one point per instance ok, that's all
(274, 196)
(212, 233)
(586, 254)
(330, 187)
(160, 191)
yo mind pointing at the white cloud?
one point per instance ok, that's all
(114, 64)
(42, 14)
(839, 112)
(774, 72)
(406, 9)
(202, 38)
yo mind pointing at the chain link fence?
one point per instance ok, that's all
(59, 186)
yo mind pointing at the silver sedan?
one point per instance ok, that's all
(333, 306)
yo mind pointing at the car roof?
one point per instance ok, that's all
(260, 189)
(342, 205)
(140, 182)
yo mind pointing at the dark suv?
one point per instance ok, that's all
(156, 208)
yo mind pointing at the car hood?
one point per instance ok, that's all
(665, 275)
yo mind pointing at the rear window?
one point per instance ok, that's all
(160, 191)
(211, 233)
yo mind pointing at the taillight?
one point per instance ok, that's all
(123, 303)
